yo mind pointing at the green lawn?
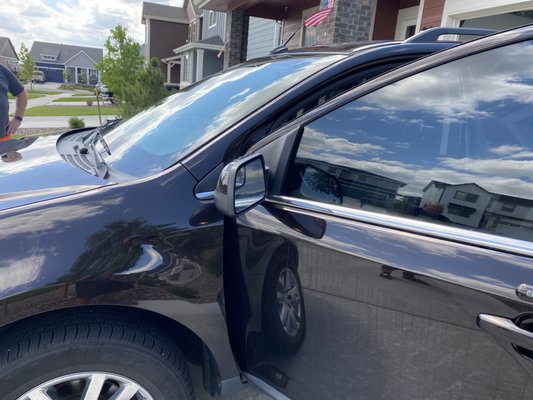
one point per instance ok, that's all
(70, 111)
(74, 99)
(35, 94)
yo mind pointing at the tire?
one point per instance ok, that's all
(62, 356)
(284, 320)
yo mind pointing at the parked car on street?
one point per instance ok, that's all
(298, 222)
(38, 76)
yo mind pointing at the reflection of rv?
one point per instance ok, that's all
(471, 205)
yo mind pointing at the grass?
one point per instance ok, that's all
(74, 99)
(70, 111)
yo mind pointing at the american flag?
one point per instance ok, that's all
(317, 18)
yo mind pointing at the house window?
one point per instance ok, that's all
(212, 19)
(192, 32)
(464, 196)
(461, 211)
(47, 57)
(507, 207)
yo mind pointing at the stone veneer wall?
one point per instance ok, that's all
(350, 20)
(238, 24)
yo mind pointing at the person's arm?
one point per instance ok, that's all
(20, 108)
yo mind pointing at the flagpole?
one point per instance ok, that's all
(300, 27)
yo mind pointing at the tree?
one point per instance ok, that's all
(147, 90)
(121, 63)
(28, 65)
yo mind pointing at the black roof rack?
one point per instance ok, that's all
(433, 34)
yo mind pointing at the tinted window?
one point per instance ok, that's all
(453, 145)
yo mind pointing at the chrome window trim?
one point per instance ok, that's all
(502, 243)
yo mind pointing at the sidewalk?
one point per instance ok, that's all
(59, 122)
(52, 122)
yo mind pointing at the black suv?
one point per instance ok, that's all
(391, 257)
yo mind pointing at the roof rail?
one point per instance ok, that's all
(433, 34)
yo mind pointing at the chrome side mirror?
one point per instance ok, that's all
(241, 185)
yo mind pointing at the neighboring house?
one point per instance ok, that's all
(471, 205)
(352, 20)
(166, 28)
(67, 63)
(200, 56)
(263, 36)
(8, 55)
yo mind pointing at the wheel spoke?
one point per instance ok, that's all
(126, 392)
(39, 395)
(94, 388)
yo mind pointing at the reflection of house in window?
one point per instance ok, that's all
(508, 207)
(359, 187)
(471, 205)
(464, 196)
(462, 204)
(462, 211)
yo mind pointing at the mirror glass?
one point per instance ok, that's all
(249, 185)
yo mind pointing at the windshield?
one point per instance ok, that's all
(158, 137)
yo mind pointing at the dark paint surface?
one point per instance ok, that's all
(150, 245)
(391, 314)
(32, 170)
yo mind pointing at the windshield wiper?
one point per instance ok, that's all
(96, 135)
(89, 144)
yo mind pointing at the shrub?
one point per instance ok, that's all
(89, 103)
(75, 122)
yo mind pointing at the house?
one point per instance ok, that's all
(470, 205)
(202, 55)
(185, 39)
(67, 63)
(166, 27)
(352, 20)
(8, 55)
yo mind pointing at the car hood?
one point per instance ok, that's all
(32, 170)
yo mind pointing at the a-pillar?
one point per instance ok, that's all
(349, 21)
(237, 25)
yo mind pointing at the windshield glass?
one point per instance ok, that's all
(161, 135)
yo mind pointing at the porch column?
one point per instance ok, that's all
(169, 69)
(349, 21)
(237, 25)
(199, 64)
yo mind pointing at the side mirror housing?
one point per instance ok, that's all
(241, 185)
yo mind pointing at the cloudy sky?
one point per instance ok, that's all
(78, 22)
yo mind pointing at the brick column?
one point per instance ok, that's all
(237, 23)
(349, 21)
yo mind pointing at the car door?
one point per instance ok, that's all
(392, 258)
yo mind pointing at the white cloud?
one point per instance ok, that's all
(84, 23)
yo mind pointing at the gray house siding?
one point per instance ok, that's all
(81, 60)
(263, 36)
(219, 29)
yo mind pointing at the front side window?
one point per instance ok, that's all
(452, 145)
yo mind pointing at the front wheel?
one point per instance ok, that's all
(283, 308)
(92, 359)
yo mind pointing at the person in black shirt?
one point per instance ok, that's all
(10, 83)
